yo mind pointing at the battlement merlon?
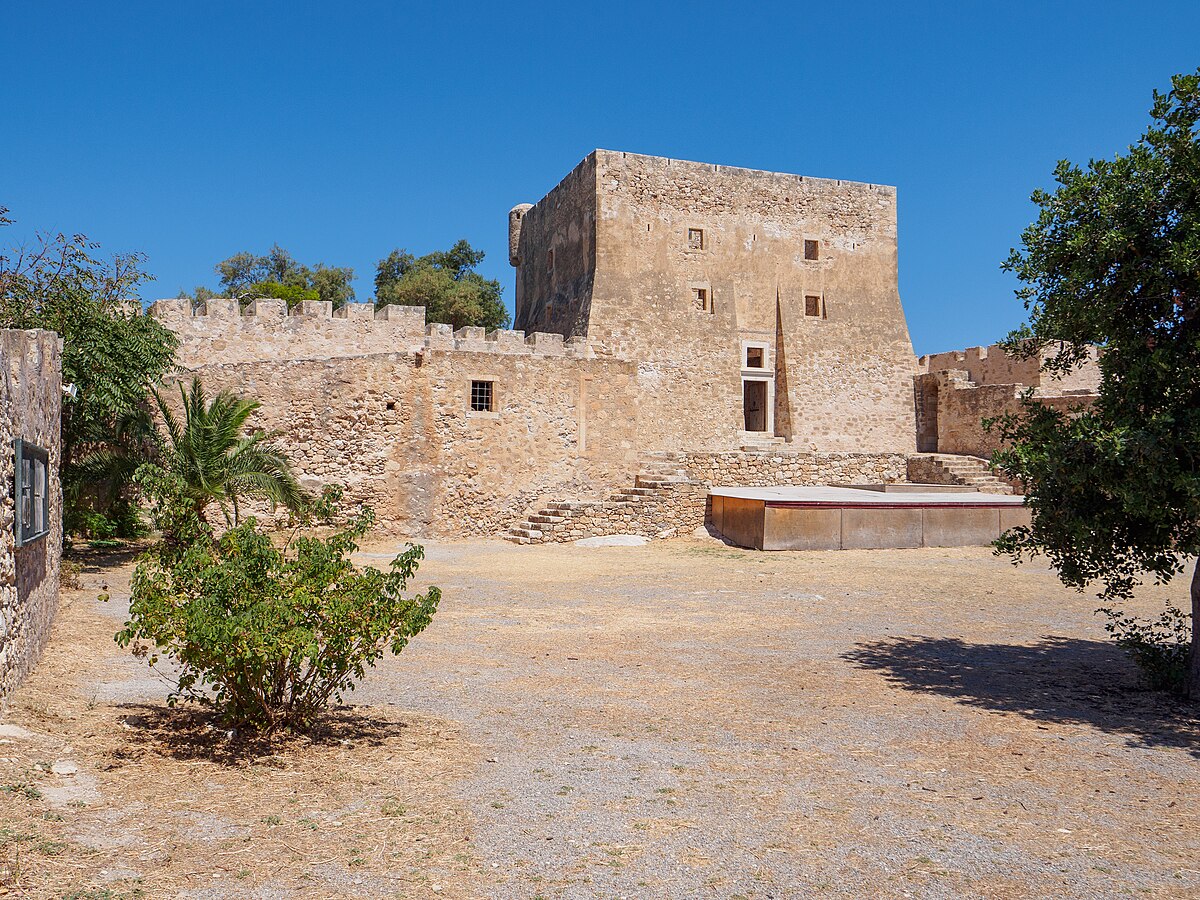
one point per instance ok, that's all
(219, 331)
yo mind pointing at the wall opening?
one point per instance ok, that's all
(695, 239)
(754, 405)
(812, 306)
(483, 396)
(812, 250)
(755, 358)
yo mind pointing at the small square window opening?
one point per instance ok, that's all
(812, 306)
(700, 297)
(812, 250)
(482, 396)
(695, 239)
(755, 358)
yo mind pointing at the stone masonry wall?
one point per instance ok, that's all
(30, 408)
(682, 507)
(685, 312)
(397, 431)
(991, 365)
(962, 406)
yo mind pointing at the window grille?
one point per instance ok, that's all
(481, 396)
(32, 492)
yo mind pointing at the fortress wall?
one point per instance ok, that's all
(962, 406)
(848, 371)
(219, 332)
(991, 365)
(396, 429)
(555, 255)
(30, 409)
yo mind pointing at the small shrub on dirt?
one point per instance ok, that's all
(267, 636)
(1158, 647)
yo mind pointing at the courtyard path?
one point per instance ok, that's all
(682, 719)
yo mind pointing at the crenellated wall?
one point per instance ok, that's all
(991, 365)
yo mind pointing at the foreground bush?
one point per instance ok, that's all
(268, 636)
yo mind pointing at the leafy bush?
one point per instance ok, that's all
(268, 636)
(1158, 647)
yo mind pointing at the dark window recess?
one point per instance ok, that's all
(391, 405)
(812, 250)
(695, 239)
(31, 476)
(812, 306)
(754, 358)
(481, 396)
(700, 297)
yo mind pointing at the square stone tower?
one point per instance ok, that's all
(760, 307)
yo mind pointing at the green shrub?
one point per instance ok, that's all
(1159, 647)
(267, 636)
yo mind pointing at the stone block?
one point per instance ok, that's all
(219, 308)
(357, 312)
(316, 309)
(268, 309)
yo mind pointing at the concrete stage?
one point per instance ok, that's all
(869, 517)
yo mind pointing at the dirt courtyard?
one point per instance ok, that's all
(677, 720)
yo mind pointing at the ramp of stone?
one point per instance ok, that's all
(843, 518)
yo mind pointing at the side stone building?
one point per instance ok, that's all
(30, 497)
(678, 325)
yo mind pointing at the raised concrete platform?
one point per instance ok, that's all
(846, 518)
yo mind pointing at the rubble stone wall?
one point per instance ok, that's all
(30, 409)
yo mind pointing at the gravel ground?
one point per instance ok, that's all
(690, 720)
(681, 719)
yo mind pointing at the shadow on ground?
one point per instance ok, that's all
(190, 734)
(1063, 680)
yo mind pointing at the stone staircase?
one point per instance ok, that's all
(567, 520)
(949, 468)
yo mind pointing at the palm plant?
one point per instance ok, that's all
(215, 461)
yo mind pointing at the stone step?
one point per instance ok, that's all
(521, 531)
(546, 519)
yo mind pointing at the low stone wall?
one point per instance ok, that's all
(769, 468)
(30, 409)
(680, 507)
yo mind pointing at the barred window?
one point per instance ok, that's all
(32, 520)
(482, 396)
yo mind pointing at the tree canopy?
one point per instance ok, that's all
(445, 283)
(1113, 262)
(111, 353)
(245, 276)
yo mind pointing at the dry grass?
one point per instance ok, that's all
(165, 803)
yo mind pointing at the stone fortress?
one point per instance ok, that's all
(680, 325)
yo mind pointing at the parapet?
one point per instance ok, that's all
(220, 331)
(992, 365)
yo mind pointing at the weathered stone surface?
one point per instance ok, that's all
(30, 404)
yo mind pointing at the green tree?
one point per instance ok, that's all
(445, 283)
(213, 460)
(276, 274)
(112, 353)
(1113, 262)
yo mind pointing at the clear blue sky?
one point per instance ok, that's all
(342, 130)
